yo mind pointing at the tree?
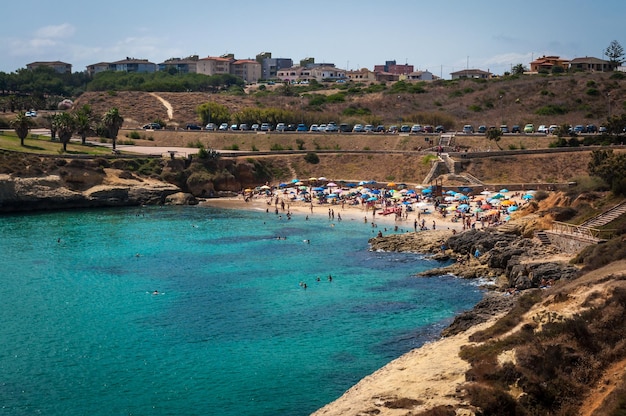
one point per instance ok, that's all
(83, 118)
(494, 134)
(614, 52)
(213, 113)
(519, 69)
(66, 126)
(112, 122)
(21, 124)
(609, 167)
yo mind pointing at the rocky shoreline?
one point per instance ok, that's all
(513, 263)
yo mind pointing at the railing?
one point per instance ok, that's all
(582, 231)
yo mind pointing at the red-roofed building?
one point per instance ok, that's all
(546, 63)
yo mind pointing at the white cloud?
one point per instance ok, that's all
(64, 30)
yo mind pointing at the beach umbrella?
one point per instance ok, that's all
(463, 197)
(321, 178)
(449, 199)
(282, 185)
(372, 198)
(485, 206)
(295, 180)
(427, 191)
(264, 187)
(450, 192)
(299, 183)
(332, 196)
(478, 209)
(506, 202)
(397, 195)
(376, 192)
(527, 196)
(391, 185)
(503, 190)
(410, 192)
(331, 184)
(318, 189)
(421, 204)
(419, 187)
(485, 192)
(248, 190)
(463, 207)
(512, 208)
(467, 190)
(497, 196)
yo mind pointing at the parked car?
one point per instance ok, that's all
(234, 127)
(280, 127)
(331, 127)
(243, 126)
(358, 128)
(516, 129)
(579, 128)
(405, 128)
(210, 127)
(482, 129)
(428, 129)
(302, 127)
(152, 126)
(468, 129)
(368, 128)
(31, 113)
(314, 127)
(591, 128)
(602, 129)
(255, 127)
(380, 128)
(440, 129)
(529, 128)
(290, 127)
(321, 128)
(223, 127)
(416, 128)
(345, 128)
(543, 129)
(392, 129)
(504, 128)
(265, 127)
(553, 129)
(193, 127)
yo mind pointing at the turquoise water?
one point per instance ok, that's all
(231, 332)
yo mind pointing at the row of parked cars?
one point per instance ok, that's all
(330, 127)
(530, 129)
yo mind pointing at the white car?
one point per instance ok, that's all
(358, 128)
(314, 127)
(416, 128)
(31, 113)
(542, 129)
(553, 128)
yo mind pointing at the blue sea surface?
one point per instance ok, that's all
(232, 330)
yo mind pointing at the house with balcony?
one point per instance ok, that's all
(180, 65)
(393, 68)
(418, 76)
(591, 64)
(361, 75)
(58, 66)
(270, 66)
(546, 63)
(471, 73)
(134, 65)
(214, 65)
(247, 69)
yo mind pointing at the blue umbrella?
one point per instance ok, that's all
(463, 197)
(372, 198)
(427, 191)
(283, 185)
(318, 189)
(512, 208)
(467, 190)
(504, 190)
(376, 192)
(295, 180)
(410, 191)
(450, 192)
(527, 196)
(463, 207)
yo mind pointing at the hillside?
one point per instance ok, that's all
(579, 98)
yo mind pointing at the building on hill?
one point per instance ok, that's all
(270, 66)
(592, 64)
(318, 73)
(393, 68)
(180, 65)
(418, 76)
(361, 75)
(58, 66)
(546, 63)
(247, 69)
(471, 73)
(124, 65)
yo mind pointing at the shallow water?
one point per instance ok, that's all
(232, 327)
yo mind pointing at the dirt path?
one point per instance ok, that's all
(166, 104)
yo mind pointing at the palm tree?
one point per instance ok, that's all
(66, 125)
(21, 124)
(83, 118)
(112, 122)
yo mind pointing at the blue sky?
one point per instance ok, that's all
(441, 36)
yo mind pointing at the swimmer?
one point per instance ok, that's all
(156, 292)
(137, 255)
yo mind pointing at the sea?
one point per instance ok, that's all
(202, 310)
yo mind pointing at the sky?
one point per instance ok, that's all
(441, 36)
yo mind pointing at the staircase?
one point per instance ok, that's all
(606, 217)
(446, 140)
(543, 237)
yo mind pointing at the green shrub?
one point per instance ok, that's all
(312, 158)
(475, 108)
(551, 110)
(134, 135)
(197, 144)
(276, 147)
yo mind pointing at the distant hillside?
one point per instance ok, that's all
(579, 98)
